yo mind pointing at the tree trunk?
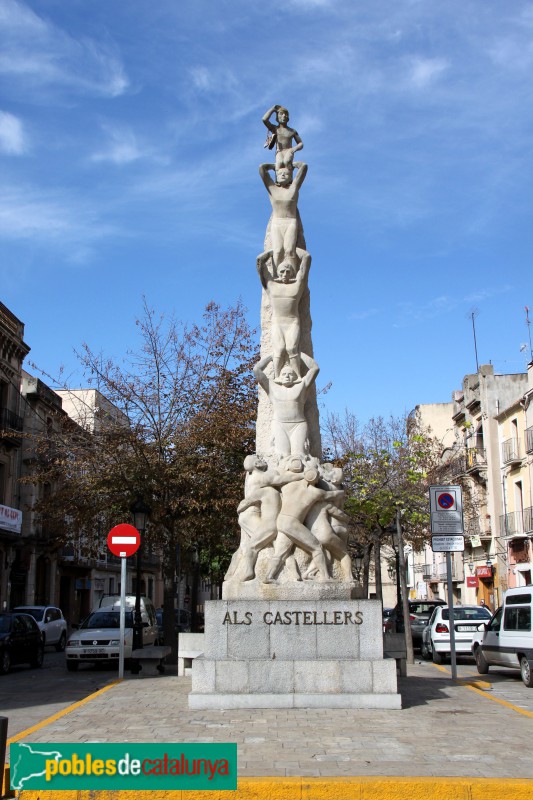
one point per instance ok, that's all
(376, 540)
(169, 626)
(405, 598)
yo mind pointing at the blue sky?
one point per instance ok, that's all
(130, 139)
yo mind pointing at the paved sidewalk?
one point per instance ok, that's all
(444, 729)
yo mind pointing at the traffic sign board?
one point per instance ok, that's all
(123, 540)
(446, 509)
(448, 544)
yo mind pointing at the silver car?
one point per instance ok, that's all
(51, 622)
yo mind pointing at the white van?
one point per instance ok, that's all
(97, 639)
(508, 638)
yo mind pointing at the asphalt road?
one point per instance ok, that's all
(501, 684)
(28, 695)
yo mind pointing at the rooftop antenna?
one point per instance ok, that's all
(528, 323)
(472, 315)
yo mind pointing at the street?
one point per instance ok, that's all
(29, 695)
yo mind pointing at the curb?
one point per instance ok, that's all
(356, 788)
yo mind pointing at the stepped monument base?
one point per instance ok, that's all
(294, 654)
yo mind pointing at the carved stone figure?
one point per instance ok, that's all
(283, 195)
(282, 136)
(285, 292)
(258, 514)
(288, 395)
(297, 499)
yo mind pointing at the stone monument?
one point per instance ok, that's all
(289, 631)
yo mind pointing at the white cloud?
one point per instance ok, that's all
(13, 140)
(37, 53)
(121, 149)
(444, 304)
(424, 72)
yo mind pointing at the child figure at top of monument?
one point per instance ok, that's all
(282, 136)
(283, 193)
(284, 294)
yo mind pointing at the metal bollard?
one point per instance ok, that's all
(3, 741)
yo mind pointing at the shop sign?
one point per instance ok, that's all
(484, 572)
(472, 581)
(10, 519)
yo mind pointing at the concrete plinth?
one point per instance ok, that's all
(293, 654)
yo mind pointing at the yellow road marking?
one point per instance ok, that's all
(60, 714)
(473, 688)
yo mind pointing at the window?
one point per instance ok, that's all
(496, 622)
(517, 619)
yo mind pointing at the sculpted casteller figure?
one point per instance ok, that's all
(297, 499)
(258, 514)
(282, 136)
(284, 293)
(288, 395)
(283, 195)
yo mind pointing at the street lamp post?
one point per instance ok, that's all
(140, 512)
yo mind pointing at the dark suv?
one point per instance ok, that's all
(419, 614)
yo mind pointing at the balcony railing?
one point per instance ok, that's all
(529, 440)
(510, 451)
(517, 522)
(10, 421)
(476, 457)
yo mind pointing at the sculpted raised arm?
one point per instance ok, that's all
(313, 368)
(259, 373)
(265, 176)
(266, 119)
(264, 275)
(305, 264)
(300, 175)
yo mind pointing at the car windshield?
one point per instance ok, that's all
(5, 624)
(36, 613)
(461, 612)
(107, 619)
(422, 608)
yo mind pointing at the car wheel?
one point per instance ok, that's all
(38, 658)
(5, 662)
(525, 672)
(60, 646)
(72, 666)
(425, 651)
(481, 662)
(437, 657)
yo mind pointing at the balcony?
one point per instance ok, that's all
(476, 459)
(10, 428)
(529, 440)
(517, 522)
(511, 452)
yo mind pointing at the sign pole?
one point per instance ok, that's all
(453, 657)
(123, 540)
(122, 614)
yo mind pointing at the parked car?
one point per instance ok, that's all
(507, 640)
(182, 622)
(97, 639)
(388, 622)
(419, 614)
(467, 621)
(20, 641)
(51, 622)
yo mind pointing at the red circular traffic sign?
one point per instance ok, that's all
(123, 540)
(446, 501)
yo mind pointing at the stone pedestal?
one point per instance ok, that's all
(293, 654)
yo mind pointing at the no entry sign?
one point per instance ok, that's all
(123, 540)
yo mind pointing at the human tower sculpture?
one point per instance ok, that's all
(293, 528)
